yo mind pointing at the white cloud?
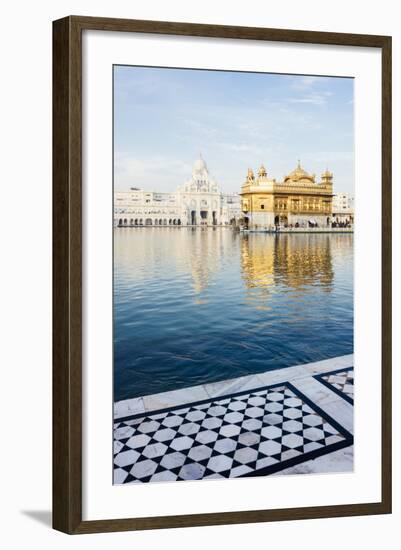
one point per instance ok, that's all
(150, 173)
(313, 99)
(306, 82)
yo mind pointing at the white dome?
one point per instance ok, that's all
(200, 166)
(201, 182)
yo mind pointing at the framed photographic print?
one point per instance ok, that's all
(222, 274)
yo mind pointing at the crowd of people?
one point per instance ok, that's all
(346, 223)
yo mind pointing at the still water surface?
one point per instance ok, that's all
(200, 305)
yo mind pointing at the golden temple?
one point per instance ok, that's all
(297, 201)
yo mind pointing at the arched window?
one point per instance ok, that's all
(174, 222)
(156, 222)
(148, 221)
(169, 222)
(164, 222)
(131, 222)
(160, 222)
(125, 221)
(179, 222)
(136, 222)
(120, 221)
(141, 221)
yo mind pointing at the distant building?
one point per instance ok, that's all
(343, 208)
(198, 202)
(299, 200)
(232, 206)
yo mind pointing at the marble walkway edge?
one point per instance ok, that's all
(300, 375)
(296, 420)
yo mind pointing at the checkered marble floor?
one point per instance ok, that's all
(340, 381)
(250, 433)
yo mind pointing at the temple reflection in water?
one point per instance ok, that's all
(196, 255)
(211, 304)
(295, 261)
(264, 261)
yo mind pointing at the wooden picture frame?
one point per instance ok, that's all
(67, 273)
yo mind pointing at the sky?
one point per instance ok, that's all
(165, 118)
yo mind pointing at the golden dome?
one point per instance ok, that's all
(262, 172)
(326, 174)
(250, 176)
(299, 174)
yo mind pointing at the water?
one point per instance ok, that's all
(201, 305)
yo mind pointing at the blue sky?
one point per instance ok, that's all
(163, 119)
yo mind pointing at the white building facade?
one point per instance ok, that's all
(343, 208)
(198, 202)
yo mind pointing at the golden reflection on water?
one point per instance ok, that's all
(264, 262)
(293, 260)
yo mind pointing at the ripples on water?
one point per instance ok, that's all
(201, 305)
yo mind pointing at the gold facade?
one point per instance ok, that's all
(297, 200)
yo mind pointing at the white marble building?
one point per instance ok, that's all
(343, 208)
(198, 202)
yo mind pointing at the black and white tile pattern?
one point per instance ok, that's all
(254, 432)
(341, 381)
